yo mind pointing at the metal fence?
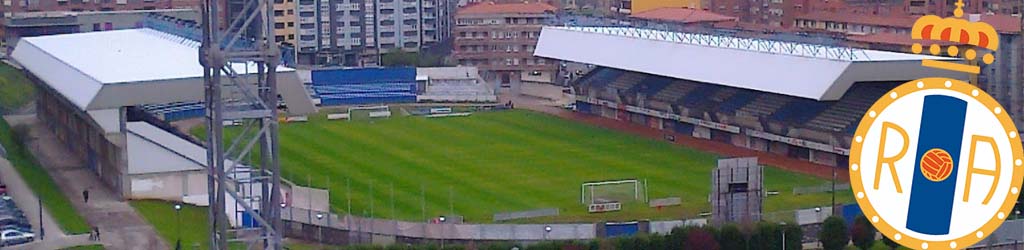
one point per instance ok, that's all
(420, 230)
(820, 189)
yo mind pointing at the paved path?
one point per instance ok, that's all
(121, 227)
(28, 202)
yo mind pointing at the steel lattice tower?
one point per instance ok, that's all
(240, 60)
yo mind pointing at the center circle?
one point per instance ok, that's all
(936, 165)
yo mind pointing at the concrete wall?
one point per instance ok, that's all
(546, 91)
(103, 153)
(168, 186)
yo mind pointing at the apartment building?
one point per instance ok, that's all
(284, 21)
(785, 13)
(358, 32)
(28, 24)
(499, 39)
(10, 7)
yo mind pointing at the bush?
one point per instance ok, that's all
(863, 233)
(833, 235)
(677, 237)
(731, 238)
(889, 243)
(794, 236)
(700, 238)
(766, 236)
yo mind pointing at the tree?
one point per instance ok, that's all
(701, 238)
(863, 233)
(677, 238)
(794, 236)
(766, 237)
(889, 242)
(833, 234)
(731, 238)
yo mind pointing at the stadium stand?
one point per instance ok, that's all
(453, 84)
(824, 117)
(364, 86)
(731, 89)
(176, 110)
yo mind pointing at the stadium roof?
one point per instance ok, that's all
(824, 72)
(112, 69)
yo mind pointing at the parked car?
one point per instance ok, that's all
(16, 228)
(14, 221)
(13, 237)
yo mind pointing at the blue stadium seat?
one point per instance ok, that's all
(737, 101)
(364, 86)
(799, 111)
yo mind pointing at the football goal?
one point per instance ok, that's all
(368, 112)
(611, 191)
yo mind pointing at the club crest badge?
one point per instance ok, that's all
(936, 163)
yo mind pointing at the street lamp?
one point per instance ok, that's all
(783, 229)
(283, 205)
(320, 230)
(442, 219)
(177, 228)
(547, 230)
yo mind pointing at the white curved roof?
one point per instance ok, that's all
(802, 70)
(112, 69)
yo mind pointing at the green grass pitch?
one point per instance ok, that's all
(503, 161)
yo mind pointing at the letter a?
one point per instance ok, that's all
(890, 161)
(971, 171)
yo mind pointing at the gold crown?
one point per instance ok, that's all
(955, 30)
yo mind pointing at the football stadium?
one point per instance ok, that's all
(405, 155)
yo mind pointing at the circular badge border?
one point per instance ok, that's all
(928, 84)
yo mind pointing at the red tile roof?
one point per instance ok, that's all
(903, 21)
(1002, 23)
(893, 39)
(507, 8)
(682, 15)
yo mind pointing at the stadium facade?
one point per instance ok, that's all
(92, 86)
(739, 91)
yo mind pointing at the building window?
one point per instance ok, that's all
(279, 25)
(307, 14)
(278, 13)
(307, 37)
(291, 12)
(387, 22)
(307, 26)
(279, 38)
(387, 34)
(291, 36)
(291, 24)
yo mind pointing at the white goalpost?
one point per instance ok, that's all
(381, 111)
(611, 191)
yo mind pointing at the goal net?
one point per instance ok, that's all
(368, 112)
(622, 191)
